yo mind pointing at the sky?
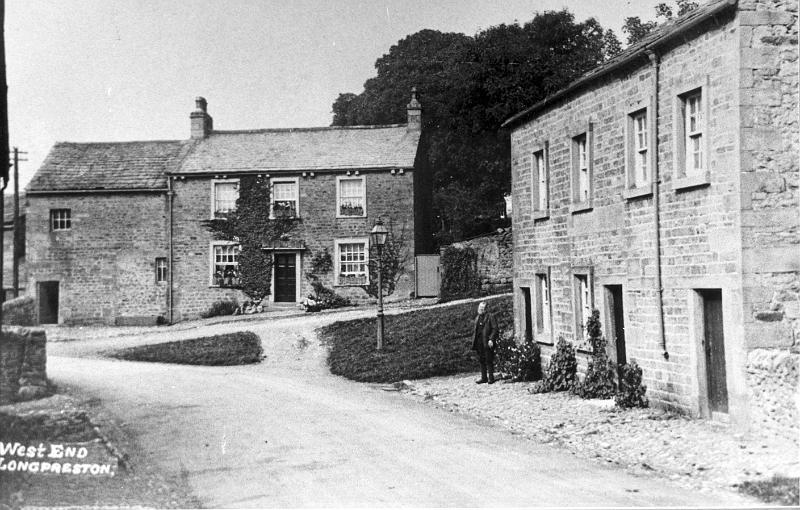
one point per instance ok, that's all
(121, 70)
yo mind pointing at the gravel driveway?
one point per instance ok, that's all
(286, 433)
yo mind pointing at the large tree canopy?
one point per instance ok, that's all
(468, 86)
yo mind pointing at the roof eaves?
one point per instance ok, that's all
(658, 38)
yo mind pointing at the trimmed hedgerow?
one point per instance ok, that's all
(239, 348)
(418, 344)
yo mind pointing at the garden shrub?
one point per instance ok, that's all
(631, 390)
(460, 278)
(226, 306)
(522, 362)
(563, 366)
(599, 380)
(323, 298)
(239, 348)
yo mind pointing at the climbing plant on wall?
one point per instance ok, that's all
(251, 227)
(460, 276)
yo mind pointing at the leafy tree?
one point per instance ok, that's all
(637, 30)
(469, 86)
(250, 225)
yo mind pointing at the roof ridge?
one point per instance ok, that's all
(127, 142)
(306, 129)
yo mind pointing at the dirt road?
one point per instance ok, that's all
(286, 433)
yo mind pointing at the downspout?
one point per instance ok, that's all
(654, 60)
(170, 195)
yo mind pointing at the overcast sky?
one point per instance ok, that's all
(114, 70)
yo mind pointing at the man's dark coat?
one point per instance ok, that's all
(485, 329)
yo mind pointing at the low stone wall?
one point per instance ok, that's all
(495, 260)
(23, 364)
(20, 311)
(772, 379)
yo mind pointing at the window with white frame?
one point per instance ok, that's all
(543, 318)
(225, 196)
(638, 142)
(161, 269)
(60, 219)
(582, 303)
(539, 168)
(693, 127)
(284, 198)
(582, 168)
(352, 262)
(225, 265)
(351, 197)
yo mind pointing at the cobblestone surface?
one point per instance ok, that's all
(698, 453)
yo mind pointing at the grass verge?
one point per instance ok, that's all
(424, 343)
(779, 490)
(239, 348)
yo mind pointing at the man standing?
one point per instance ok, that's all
(485, 342)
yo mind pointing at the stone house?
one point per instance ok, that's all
(116, 231)
(662, 189)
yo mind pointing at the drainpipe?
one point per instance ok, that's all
(654, 60)
(170, 198)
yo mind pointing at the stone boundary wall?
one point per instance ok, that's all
(20, 311)
(23, 364)
(495, 260)
(772, 378)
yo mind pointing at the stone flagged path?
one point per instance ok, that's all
(695, 453)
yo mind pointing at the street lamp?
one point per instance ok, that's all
(378, 237)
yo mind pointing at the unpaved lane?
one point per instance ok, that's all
(287, 434)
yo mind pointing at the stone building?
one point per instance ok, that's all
(10, 252)
(662, 189)
(116, 231)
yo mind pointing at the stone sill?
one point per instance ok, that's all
(541, 215)
(578, 207)
(640, 192)
(692, 181)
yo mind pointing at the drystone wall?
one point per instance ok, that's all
(23, 364)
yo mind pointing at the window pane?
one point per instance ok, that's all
(351, 197)
(226, 265)
(225, 195)
(353, 261)
(283, 191)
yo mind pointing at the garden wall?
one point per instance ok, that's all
(495, 260)
(23, 364)
(20, 311)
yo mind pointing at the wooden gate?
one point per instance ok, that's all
(428, 275)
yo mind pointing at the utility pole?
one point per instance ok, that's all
(3, 125)
(16, 251)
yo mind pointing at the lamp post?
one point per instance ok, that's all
(378, 238)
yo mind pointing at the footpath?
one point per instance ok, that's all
(697, 453)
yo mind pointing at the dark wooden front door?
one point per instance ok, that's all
(48, 302)
(526, 292)
(617, 316)
(285, 278)
(714, 342)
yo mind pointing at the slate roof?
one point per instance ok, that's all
(662, 35)
(334, 148)
(109, 166)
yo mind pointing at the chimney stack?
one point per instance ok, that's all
(414, 112)
(202, 123)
